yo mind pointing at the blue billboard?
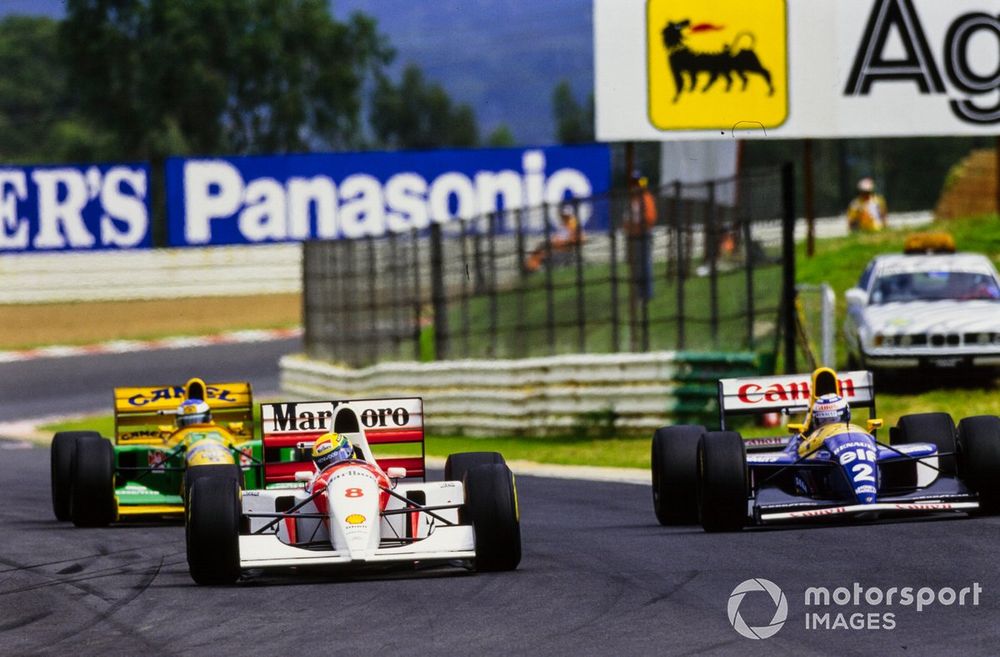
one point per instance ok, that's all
(261, 199)
(71, 208)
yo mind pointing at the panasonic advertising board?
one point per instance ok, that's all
(261, 199)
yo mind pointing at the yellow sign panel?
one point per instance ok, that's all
(717, 64)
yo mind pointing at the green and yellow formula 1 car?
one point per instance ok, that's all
(146, 468)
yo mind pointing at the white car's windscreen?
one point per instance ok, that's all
(934, 286)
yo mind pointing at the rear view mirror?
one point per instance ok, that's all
(396, 472)
(303, 475)
(794, 427)
(856, 297)
(874, 424)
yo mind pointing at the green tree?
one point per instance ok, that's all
(230, 76)
(419, 114)
(574, 122)
(501, 137)
(38, 114)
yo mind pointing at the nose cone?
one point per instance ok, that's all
(867, 498)
(857, 454)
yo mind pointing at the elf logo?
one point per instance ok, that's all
(716, 65)
(917, 64)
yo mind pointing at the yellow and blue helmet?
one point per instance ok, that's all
(193, 411)
(331, 448)
(830, 408)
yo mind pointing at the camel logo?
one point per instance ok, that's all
(722, 69)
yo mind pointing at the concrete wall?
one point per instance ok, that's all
(625, 394)
(152, 274)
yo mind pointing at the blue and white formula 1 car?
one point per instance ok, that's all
(838, 469)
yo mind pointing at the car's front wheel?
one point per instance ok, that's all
(491, 506)
(675, 474)
(92, 494)
(61, 455)
(212, 527)
(979, 459)
(722, 481)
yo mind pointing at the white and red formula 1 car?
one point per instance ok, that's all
(362, 511)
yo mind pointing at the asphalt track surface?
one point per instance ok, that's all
(82, 384)
(598, 576)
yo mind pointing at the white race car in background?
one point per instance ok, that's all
(355, 513)
(913, 311)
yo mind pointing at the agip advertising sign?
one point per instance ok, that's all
(244, 200)
(691, 69)
(62, 208)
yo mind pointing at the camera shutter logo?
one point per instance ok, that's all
(780, 611)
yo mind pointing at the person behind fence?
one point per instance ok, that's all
(868, 211)
(566, 236)
(639, 222)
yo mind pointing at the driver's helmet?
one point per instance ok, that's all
(830, 408)
(331, 448)
(193, 411)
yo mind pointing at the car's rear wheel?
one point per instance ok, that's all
(935, 428)
(212, 527)
(979, 459)
(456, 465)
(61, 455)
(193, 473)
(92, 495)
(722, 481)
(491, 506)
(675, 474)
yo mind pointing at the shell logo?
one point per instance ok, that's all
(355, 519)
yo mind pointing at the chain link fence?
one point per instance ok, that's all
(704, 274)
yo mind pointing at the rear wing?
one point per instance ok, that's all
(394, 427)
(792, 392)
(140, 412)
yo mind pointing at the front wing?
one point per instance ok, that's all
(946, 494)
(882, 508)
(445, 544)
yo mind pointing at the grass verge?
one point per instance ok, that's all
(634, 452)
(32, 325)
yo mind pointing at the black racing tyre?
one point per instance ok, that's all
(192, 473)
(722, 481)
(92, 496)
(935, 428)
(457, 465)
(61, 454)
(212, 528)
(491, 508)
(979, 459)
(675, 474)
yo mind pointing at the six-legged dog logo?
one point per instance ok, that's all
(724, 62)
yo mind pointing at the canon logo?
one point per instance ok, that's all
(754, 393)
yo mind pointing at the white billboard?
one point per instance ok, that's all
(703, 69)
